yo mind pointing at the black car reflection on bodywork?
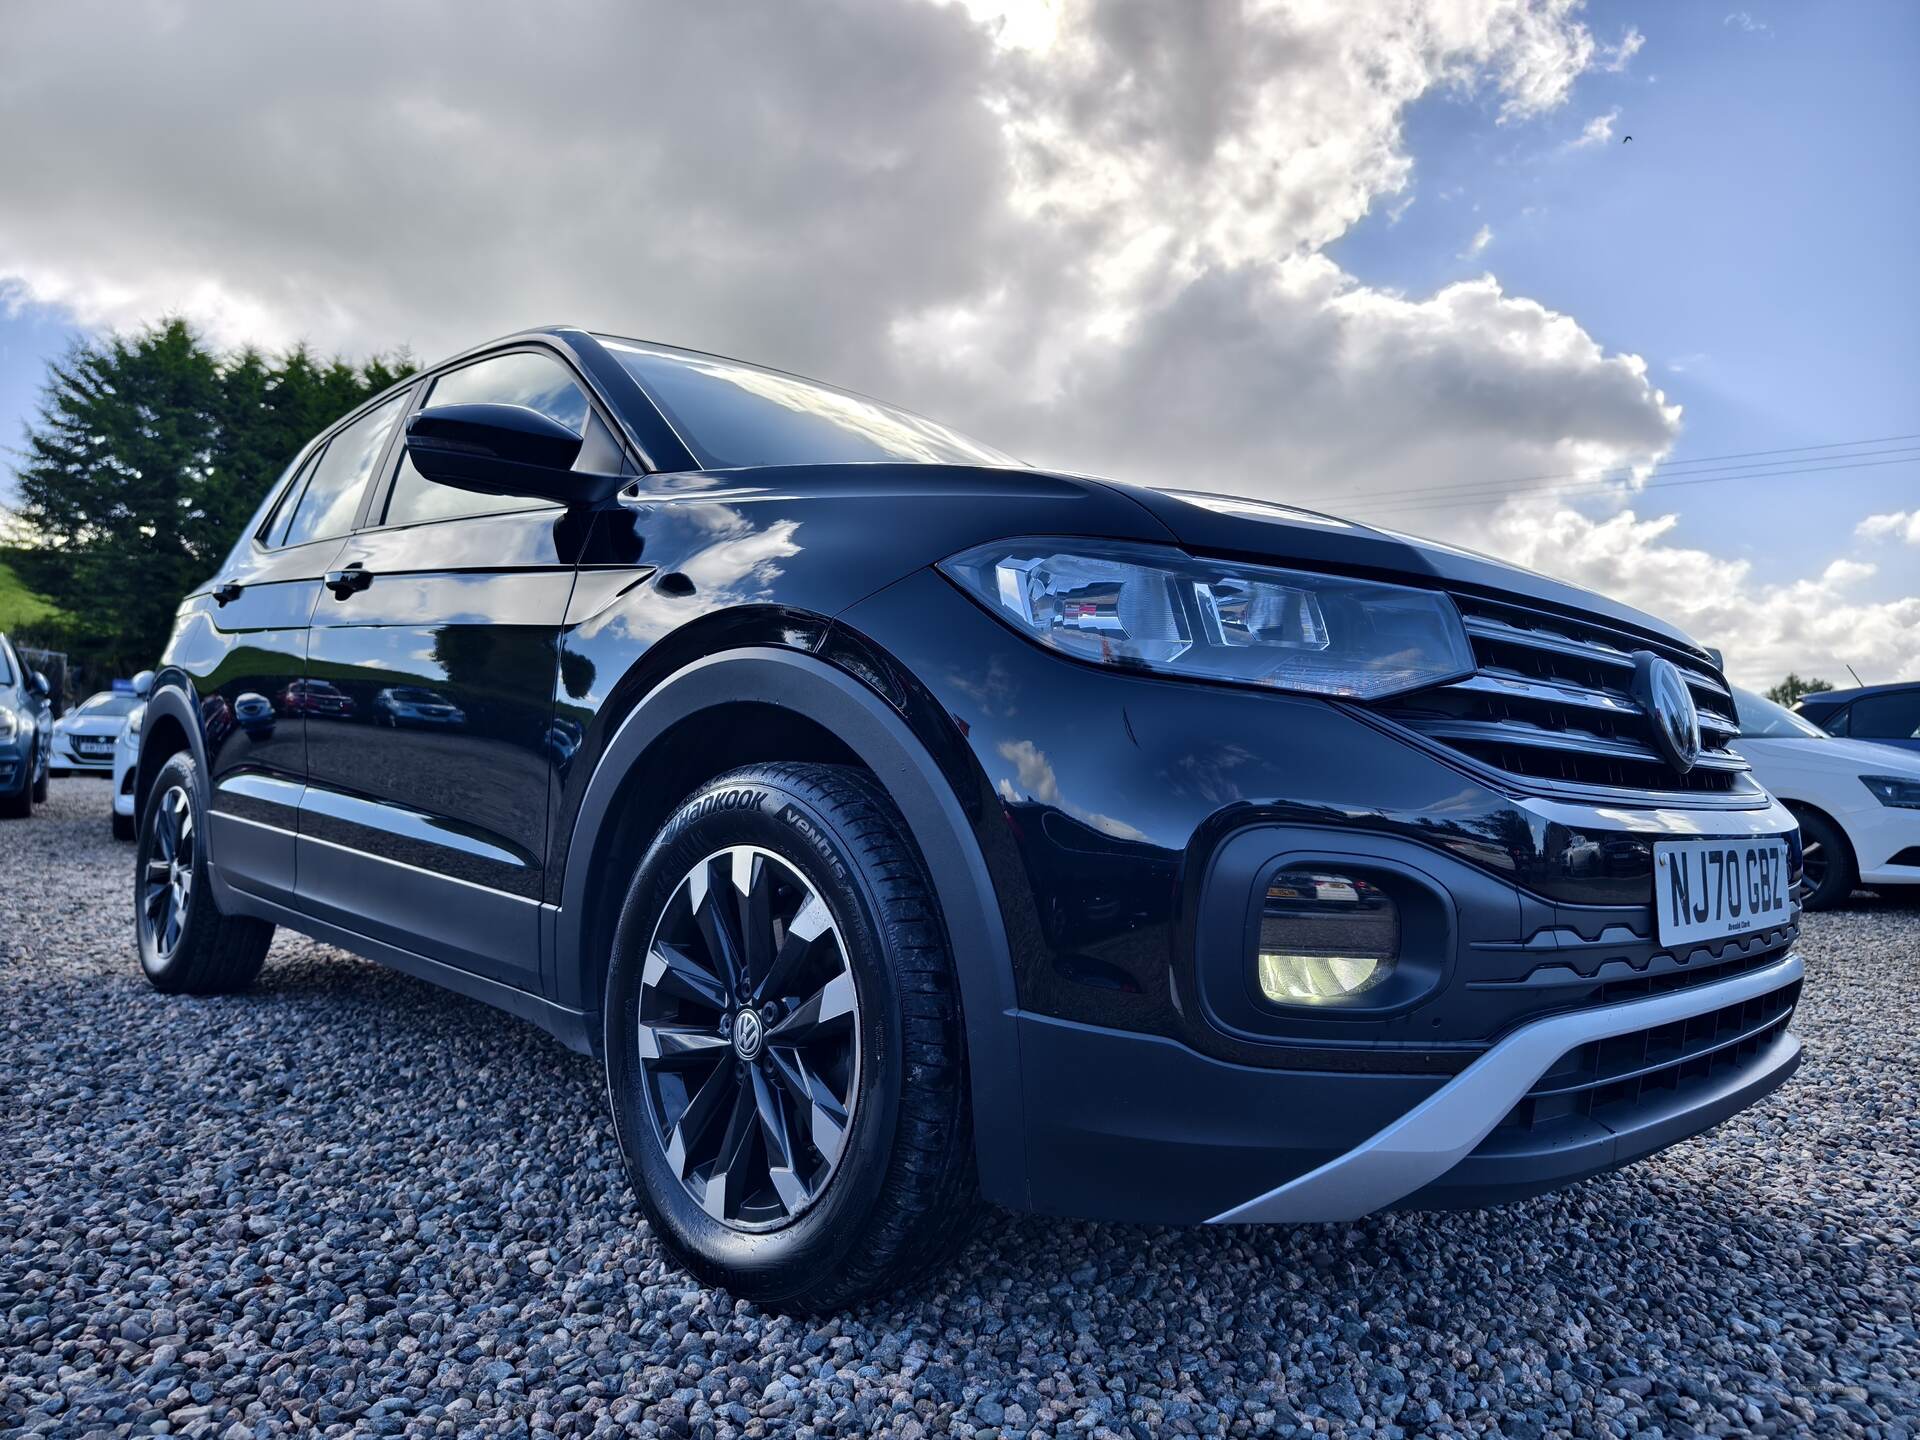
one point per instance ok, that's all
(1207, 859)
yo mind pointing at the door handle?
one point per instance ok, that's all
(226, 594)
(346, 582)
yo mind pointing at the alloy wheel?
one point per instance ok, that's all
(167, 878)
(1813, 866)
(749, 1038)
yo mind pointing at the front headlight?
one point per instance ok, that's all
(135, 718)
(1148, 608)
(9, 726)
(1894, 790)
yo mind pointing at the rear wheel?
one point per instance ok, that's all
(187, 945)
(785, 1060)
(1826, 860)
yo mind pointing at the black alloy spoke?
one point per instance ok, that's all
(675, 971)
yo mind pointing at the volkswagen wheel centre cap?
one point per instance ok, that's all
(747, 1034)
(1675, 724)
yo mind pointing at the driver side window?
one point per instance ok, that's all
(521, 377)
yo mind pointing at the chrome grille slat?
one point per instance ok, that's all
(1550, 700)
(1597, 652)
(1518, 732)
(1509, 685)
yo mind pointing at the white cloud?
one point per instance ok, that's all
(1598, 131)
(1741, 20)
(1767, 626)
(1846, 572)
(1482, 238)
(1897, 525)
(1619, 56)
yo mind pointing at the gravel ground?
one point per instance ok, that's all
(351, 1203)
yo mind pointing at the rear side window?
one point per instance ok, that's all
(522, 377)
(1887, 717)
(330, 490)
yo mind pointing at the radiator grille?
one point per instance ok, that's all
(1550, 701)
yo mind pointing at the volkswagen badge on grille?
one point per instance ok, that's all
(1671, 716)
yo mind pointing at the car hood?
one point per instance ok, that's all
(1834, 756)
(92, 724)
(1282, 535)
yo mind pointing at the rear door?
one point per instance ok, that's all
(425, 819)
(252, 710)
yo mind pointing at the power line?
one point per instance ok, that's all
(1616, 472)
(1759, 469)
(1443, 503)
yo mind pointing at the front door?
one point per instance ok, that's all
(425, 817)
(246, 645)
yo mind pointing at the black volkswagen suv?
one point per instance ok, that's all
(904, 826)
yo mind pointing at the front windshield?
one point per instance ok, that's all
(732, 414)
(1761, 719)
(107, 703)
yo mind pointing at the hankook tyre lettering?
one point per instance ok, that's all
(904, 827)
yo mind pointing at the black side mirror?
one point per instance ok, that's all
(39, 684)
(504, 450)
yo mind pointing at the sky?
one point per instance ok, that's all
(1396, 261)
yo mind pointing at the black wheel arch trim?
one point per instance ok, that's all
(876, 733)
(169, 698)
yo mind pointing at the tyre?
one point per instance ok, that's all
(1827, 861)
(785, 1058)
(43, 781)
(187, 946)
(123, 826)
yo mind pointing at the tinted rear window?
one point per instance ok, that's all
(106, 703)
(1887, 717)
(733, 414)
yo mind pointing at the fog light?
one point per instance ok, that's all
(1324, 937)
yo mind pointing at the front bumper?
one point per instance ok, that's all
(66, 756)
(1438, 1143)
(16, 764)
(1885, 841)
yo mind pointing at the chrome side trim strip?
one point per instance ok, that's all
(1443, 1129)
(359, 854)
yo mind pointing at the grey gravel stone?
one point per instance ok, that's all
(348, 1203)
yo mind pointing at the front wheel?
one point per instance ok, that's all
(1826, 861)
(785, 1058)
(187, 944)
(42, 780)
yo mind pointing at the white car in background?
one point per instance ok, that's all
(1858, 803)
(126, 758)
(83, 738)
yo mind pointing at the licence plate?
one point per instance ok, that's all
(1704, 889)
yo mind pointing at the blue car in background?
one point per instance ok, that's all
(1884, 714)
(26, 731)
